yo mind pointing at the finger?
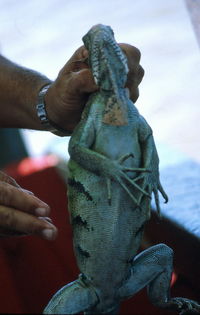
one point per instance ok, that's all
(27, 191)
(45, 219)
(140, 74)
(5, 232)
(80, 54)
(7, 179)
(82, 82)
(132, 53)
(136, 72)
(14, 197)
(134, 78)
(21, 222)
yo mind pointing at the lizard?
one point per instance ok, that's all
(113, 171)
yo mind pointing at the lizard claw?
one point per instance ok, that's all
(156, 196)
(184, 306)
(132, 181)
(122, 176)
(163, 193)
(125, 157)
(108, 182)
(136, 169)
(130, 194)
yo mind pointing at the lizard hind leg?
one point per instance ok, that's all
(153, 264)
(152, 268)
(112, 311)
(73, 298)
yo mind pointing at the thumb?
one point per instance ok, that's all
(77, 61)
(82, 82)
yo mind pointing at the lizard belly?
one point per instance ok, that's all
(105, 236)
(116, 141)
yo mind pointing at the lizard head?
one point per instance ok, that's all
(109, 67)
(106, 59)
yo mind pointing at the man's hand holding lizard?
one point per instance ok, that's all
(68, 94)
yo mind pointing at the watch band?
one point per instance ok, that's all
(48, 124)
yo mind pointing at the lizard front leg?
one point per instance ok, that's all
(81, 152)
(150, 181)
(109, 169)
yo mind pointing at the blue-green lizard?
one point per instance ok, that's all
(113, 172)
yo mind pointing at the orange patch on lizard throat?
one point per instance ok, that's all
(115, 114)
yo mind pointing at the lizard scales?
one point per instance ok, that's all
(113, 172)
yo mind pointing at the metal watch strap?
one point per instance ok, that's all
(43, 116)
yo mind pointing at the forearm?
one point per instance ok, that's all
(19, 88)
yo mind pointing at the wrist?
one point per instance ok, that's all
(45, 120)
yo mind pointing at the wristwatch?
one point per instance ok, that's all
(48, 124)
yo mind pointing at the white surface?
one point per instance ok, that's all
(42, 35)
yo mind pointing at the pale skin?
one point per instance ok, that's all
(20, 211)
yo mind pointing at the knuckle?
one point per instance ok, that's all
(138, 54)
(7, 179)
(5, 193)
(2, 176)
(78, 53)
(140, 73)
(34, 226)
(8, 219)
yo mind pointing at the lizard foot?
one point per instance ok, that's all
(131, 169)
(152, 184)
(119, 175)
(183, 306)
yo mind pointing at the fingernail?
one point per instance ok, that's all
(41, 211)
(45, 219)
(44, 204)
(49, 234)
(27, 191)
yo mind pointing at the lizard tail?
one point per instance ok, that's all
(73, 298)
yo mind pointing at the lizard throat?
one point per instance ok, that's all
(115, 113)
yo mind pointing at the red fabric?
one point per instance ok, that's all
(32, 270)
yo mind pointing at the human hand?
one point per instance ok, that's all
(68, 94)
(21, 213)
(136, 72)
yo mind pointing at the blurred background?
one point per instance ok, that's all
(42, 35)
